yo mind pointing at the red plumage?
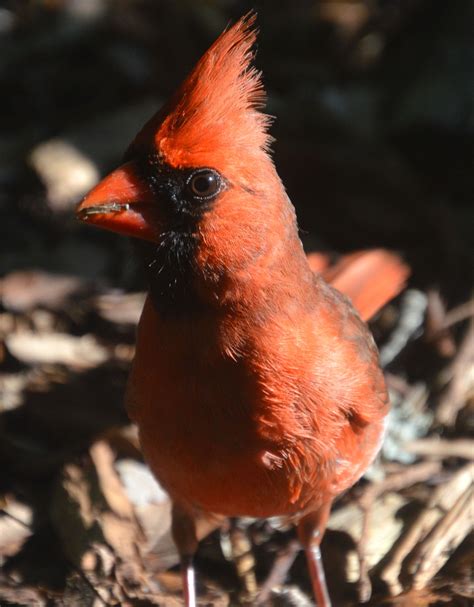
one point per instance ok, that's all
(256, 386)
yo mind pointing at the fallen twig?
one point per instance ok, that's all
(442, 500)
(461, 373)
(435, 330)
(442, 448)
(429, 556)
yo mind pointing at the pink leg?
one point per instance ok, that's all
(310, 531)
(189, 585)
(184, 535)
(318, 579)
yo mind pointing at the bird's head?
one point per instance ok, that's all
(198, 184)
(206, 148)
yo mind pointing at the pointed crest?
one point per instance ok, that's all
(214, 115)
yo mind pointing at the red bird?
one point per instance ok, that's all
(256, 386)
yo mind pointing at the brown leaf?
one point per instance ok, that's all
(15, 521)
(25, 290)
(121, 308)
(57, 348)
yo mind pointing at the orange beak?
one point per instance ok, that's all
(123, 203)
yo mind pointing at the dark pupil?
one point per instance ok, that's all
(204, 185)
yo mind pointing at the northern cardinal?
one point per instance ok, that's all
(256, 386)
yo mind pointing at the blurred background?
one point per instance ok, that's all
(373, 102)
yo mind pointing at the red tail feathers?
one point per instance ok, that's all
(369, 278)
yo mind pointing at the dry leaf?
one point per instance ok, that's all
(57, 348)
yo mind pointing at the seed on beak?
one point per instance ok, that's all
(100, 209)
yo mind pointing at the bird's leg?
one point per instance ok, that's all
(184, 535)
(310, 532)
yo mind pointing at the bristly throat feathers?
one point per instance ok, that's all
(170, 264)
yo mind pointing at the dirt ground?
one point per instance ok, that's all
(374, 121)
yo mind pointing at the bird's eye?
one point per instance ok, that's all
(205, 184)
